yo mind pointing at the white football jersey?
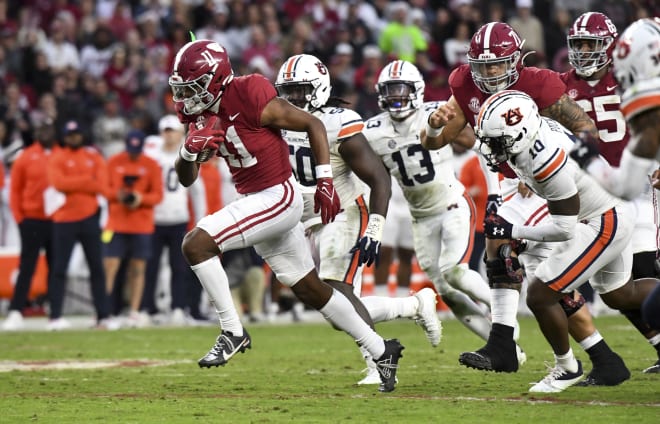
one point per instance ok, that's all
(426, 177)
(340, 124)
(173, 209)
(549, 171)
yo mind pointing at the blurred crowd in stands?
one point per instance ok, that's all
(105, 63)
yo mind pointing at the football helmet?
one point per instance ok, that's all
(304, 81)
(400, 88)
(495, 44)
(507, 125)
(201, 73)
(635, 55)
(596, 31)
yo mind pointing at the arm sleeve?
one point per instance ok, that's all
(562, 228)
(628, 180)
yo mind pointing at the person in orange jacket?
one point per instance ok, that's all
(28, 182)
(135, 187)
(79, 173)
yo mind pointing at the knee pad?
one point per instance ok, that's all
(505, 269)
(453, 275)
(571, 305)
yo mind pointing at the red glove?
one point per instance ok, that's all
(326, 200)
(200, 142)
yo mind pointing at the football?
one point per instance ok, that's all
(205, 155)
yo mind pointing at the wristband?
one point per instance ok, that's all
(375, 227)
(433, 132)
(186, 155)
(323, 171)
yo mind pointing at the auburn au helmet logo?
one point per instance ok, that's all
(512, 116)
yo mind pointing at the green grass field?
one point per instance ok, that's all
(304, 373)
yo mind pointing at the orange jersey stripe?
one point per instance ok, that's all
(354, 267)
(350, 130)
(640, 104)
(590, 254)
(552, 166)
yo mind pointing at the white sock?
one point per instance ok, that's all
(504, 306)
(340, 312)
(567, 361)
(214, 280)
(591, 340)
(383, 308)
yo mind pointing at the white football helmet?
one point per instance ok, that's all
(304, 81)
(507, 125)
(636, 65)
(400, 89)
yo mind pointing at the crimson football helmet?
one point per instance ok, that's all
(495, 45)
(400, 89)
(598, 34)
(201, 73)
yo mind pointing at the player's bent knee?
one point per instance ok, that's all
(198, 246)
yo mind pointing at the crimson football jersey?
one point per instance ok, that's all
(601, 102)
(258, 157)
(542, 85)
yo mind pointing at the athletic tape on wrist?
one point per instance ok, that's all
(186, 155)
(375, 227)
(433, 132)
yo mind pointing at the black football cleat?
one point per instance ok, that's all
(388, 364)
(609, 372)
(225, 347)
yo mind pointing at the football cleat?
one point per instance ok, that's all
(226, 346)
(501, 353)
(557, 380)
(653, 369)
(13, 322)
(388, 364)
(427, 317)
(610, 372)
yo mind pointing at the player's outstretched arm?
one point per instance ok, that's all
(443, 126)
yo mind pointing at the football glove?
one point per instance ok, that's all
(369, 244)
(326, 200)
(496, 227)
(493, 201)
(201, 142)
(584, 150)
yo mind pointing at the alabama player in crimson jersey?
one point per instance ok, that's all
(495, 63)
(305, 81)
(590, 82)
(241, 118)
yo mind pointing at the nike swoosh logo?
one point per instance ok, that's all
(232, 117)
(610, 88)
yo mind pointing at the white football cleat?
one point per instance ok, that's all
(427, 317)
(557, 380)
(13, 322)
(58, 324)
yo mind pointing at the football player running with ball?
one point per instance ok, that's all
(240, 119)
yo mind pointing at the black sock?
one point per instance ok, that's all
(599, 351)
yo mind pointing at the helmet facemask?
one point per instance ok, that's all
(492, 84)
(299, 94)
(591, 60)
(397, 98)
